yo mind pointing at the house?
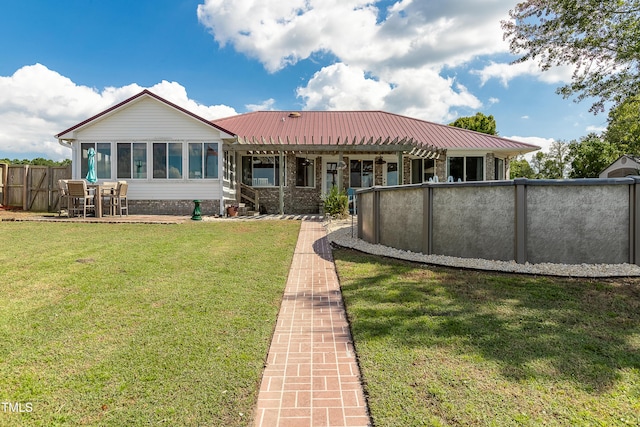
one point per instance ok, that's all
(625, 165)
(274, 161)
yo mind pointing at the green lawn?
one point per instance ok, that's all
(132, 324)
(447, 347)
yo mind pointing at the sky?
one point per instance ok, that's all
(64, 61)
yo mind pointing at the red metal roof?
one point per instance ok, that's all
(358, 127)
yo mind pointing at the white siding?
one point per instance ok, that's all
(147, 119)
(174, 190)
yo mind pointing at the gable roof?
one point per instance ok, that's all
(144, 93)
(371, 130)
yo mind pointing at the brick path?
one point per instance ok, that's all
(311, 377)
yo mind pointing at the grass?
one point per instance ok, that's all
(132, 324)
(446, 347)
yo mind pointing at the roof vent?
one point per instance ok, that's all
(294, 115)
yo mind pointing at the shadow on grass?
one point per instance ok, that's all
(533, 327)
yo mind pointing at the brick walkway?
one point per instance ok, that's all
(311, 377)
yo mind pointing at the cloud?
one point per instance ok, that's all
(505, 72)
(543, 143)
(36, 103)
(596, 129)
(263, 106)
(381, 57)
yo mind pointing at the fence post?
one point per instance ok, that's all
(634, 222)
(3, 183)
(376, 216)
(427, 219)
(521, 221)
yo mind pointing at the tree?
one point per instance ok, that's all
(478, 123)
(623, 129)
(601, 39)
(520, 168)
(590, 156)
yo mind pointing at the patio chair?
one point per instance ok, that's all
(107, 189)
(63, 196)
(80, 198)
(118, 200)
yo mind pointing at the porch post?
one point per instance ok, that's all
(400, 169)
(281, 153)
(340, 171)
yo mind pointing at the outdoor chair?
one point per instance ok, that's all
(80, 198)
(107, 189)
(63, 197)
(118, 200)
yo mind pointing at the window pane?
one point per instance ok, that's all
(175, 160)
(123, 160)
(84, 158)
(392, 174)
(140, 159)
(304, 172)
(416, 171)
(247, 172)
(195, 161)
(211, 160)
(429, 169)
(263, 171)
(367, 173)
(499, 169)
(332, 175)
(456, 168)
(159, 160)
(475, 169)
(355, 170)
(103, 160)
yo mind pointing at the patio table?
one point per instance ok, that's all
(97, 197)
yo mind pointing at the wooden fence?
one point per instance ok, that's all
(31, 188)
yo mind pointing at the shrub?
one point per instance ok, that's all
(336, 203)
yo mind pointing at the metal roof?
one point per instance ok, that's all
(367, 130)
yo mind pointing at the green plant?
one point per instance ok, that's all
(336, 203)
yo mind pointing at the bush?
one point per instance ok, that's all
(336, 203)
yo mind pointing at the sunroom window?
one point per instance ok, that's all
(466, 168)
(422, 170)
(167, 160)
(305, 172)
(261, 171)
(102, 159)
(203, 160)
(131, 160)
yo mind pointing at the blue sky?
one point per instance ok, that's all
(64, 61)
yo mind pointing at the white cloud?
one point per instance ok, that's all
(384, 58)
(506, 72)
(543, 143)
(36, 103)
(596, 129)
(525, 117)
(263, 106)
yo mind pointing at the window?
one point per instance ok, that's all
(305, 172)
(103, 159)
(499, 169)
(466, 168)
(167, 160)
(261, 171)
(422, 170)
(203, 160)
(332, 175)
(229, 168)
(131, 160)
(392, 173)
(361, 173)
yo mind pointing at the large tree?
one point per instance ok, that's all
(590, 156)
(623, 129)
(600, 38)
(479, 123)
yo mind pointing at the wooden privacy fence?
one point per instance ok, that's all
(31, 188)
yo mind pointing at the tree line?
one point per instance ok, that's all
(38, 161)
